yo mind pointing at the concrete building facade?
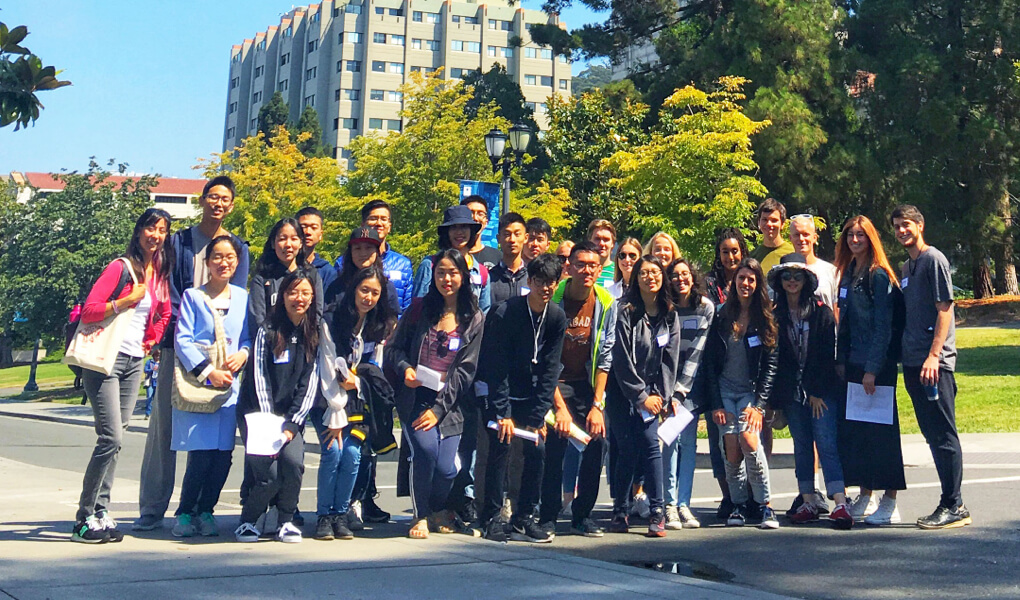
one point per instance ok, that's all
(349, 59)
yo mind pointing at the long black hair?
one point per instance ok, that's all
(378, 322)
(663, 298)
(760, 311)
(727, 233)
(349, 269)
(697, 283)
(805, 302)
(467, 305)
(162, 261)
(268, 259)
(281, 324)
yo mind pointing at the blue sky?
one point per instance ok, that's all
(150, 79)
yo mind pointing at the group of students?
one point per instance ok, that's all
(517, 374)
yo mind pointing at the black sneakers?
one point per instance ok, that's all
(724, 510)
(341, 526)
(351, 520)
(736, 517)
(527, 530)
(324, 528)
(89, 531)
(587, 528)
(371, 513)
(496, 530)
(946, 518)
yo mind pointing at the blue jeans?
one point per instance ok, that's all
(338, 469)
(753, 467)
(571, 466)
(678, 461)
(810, 433)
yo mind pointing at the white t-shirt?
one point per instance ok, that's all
(132, 344)
(828, 284)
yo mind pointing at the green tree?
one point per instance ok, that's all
(21, 78)
(56, 245)
(273, 114)
(595, 76)
(274, 179)
(312, 145)
(696, 172)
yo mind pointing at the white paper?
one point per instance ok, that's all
(670, 429)
(429, 378)
(524, 434)
(265, 434)
(876, 408)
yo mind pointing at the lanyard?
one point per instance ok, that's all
(536, 329)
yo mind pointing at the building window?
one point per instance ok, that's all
(379, 38)
(457, 45)
(378, 66)
(415, 44)
(313, 46)
(230, 132)
(285, 59)
(236, 81)
(564, 85)
(546, 81)
(423, 69)
(396, 12)
(543, 107)
(456, 73)
(562, 58)
(530, 52)
(374, 124)
(426, 17)
(259, 71)
(336, 124)
(433, 45)
(354, 66)
(350, 123)
(353, 37)
(254, 124)
(261, 47)
(375, 95)
(315, 17)
(283, 85)
(170, 199)
(529, 105)
(336, 95)
(353, 95)
(397, 40)
(462, 46)
(310, 73)
(288, 32)
(380, 10)
(397, 68)
(256, 97)
(336, 11)
(393, 124)
(395, 96)
(416, 16)
(235, 58)
(499, 25)
(469, 20)
(310, 100)
(353, 9)
(501, 51)
(546, 54)
(530, 80)
(233, 108)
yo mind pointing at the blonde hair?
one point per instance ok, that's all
(672, 244)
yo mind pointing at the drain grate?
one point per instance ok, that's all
(687, 568)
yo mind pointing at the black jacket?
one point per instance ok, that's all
(642, 366)
(284, 386)
(402, 352)
(504, 285)
(761, 360)
(819, 375)
(264, 291)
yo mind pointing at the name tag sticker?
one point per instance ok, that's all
(842, 292)
(753, 341)
(476, 279)
(903, 283)
(396, 275)
(454, 344)
(282, 358)
(690, 324)
(663, 339)
(525, 290)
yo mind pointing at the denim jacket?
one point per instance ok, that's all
(865, 320)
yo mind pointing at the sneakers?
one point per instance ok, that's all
(687, 518)
(736, 518)
(797, 503)
(768, 518)
(110, 526)
(341, 526)
(807, 513)
(821, 503)
(724, 510)
(656, 524)
(247, 532)
(207, 525)
(527, 530)
(946, 518)
(841, 518)
(587, 528)
(640, 507)
(183, 527)
(549, 527)
(619, 524)
(371, 513)
(353, 520)
(885, 514)
(289, 534)
(324, 527)
(89, 531)
(862, 506)
(673, 518)
(495, 531)
(147, 523)
(468, 513)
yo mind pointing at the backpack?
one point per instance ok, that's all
(899, 319)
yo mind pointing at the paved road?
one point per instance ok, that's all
(981, 561)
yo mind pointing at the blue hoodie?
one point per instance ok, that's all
(398, 269)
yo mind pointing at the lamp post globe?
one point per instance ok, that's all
(520, 137)
(495, 144)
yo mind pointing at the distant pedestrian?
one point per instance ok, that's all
(151, 373)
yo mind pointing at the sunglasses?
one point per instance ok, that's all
(443, 339)
(792, 276)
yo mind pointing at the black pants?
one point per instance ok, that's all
(937, 420)
(275, 476)
(203, 480)
(364, 486)
(463, 490)
(496, 476)
(579, 397)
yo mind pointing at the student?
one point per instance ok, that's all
(628, 254)
(580, 398)
(281, 379)
(539, 233)
(138, 281)
(929, 359)
(602, 233)
(312, 224)
(361, 322)
(867, 353)
(479, 208)
(283, 252)
(805, 238)
(740, 364)
(441, 335)
(641, 382)
(518, 367)
(563, 253)
(151, 373)
(806, 386)
(362, 252)
(159, 464)
(377, 215)
(459, 231)
(508, 278)
(662, 246)
(695, 313)
(771, 216)
(208, 438)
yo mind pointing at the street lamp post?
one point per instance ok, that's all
(32, 386)
(495, 145)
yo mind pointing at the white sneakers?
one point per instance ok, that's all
(885, 514)
(248, 532)
(289, 534)
(688, 519)
(863, 506)
(673, 521)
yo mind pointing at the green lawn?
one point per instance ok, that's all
(46, 374)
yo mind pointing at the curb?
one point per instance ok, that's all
(64, 420)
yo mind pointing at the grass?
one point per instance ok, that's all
(47, 374)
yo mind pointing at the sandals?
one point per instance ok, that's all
(419, 531)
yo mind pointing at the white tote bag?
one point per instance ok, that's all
(95, 345)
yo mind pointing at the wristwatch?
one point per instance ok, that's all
(600, 404)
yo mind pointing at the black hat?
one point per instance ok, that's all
(792, 262)
(459, 215)
(365, 234)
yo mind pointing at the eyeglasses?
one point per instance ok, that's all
(650, 274)
(299, 295)
(374, 219)
(218, 199)
(586, 266)
(792, 276)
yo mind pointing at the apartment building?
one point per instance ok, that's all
(349, 59)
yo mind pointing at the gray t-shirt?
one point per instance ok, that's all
(925, 282)
(734, 378)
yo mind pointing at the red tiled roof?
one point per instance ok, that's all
(166, 185)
